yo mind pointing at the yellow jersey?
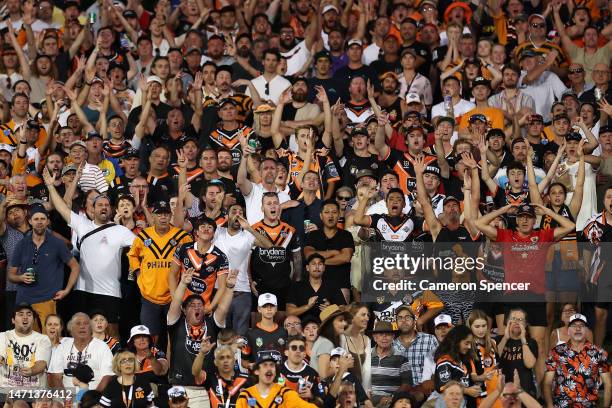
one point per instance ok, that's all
(279, 397)
(152, 255)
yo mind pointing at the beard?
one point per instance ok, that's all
(244, 52)
(299, 96)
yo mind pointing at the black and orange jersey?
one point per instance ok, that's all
(279, 397)
(144, 366)
(195, 178)
(398, 229)
(160, 188)
(152, 255)
(448, 369)
(115, 150)
(401, 163)
(322, 164)
(230, 139)
(244, 105)
(544, 49)
(220, 219)
(358, 112)
(259, 339)
(221, 390)
(207, 266)
(306, 373)
(271, 268)
(112, 343)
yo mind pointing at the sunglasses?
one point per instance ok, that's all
(538, 25)
(297, 348)
(267, 88)
(343, 198)
(576, 71)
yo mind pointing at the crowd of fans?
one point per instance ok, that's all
(191, 191)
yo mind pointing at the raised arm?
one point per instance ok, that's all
(380, 140)
(534, 193)
(565, 225)
(59, 204)
(74, 105)
(434, 225)
(441, 158)
(174, 312)
(226, 298)
(23, 62)
(277, 136)
(483, 222)
(576, 202)
(543, 184)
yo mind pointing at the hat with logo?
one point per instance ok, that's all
(131, 152)
(478, 117)
(443, 319)
(602, 130)
(6, 147)
(268, 355)
(354, 41)
(526, 209)
(24, 305)
(481, 81)
(140, 330)
(338, 351)
(38, 208)
(573, 136)
(78, 143)
(91, 134)
(177, 391)
(322, 54)
(412, 97)
(130, 14)
(161, 207)
(576, 317)
(432, 170)
(267, 299)
(329, 7)
(409, 50)
(382, 326)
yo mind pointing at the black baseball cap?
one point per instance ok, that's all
(575, 136)
(322, 54)
(161, 207)
(526, 209)
(481, 81)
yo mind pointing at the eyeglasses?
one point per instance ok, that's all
(343, 198)
(517, 319)
(293, 347)
(290, 325)
(405, 318)
(127, 360)
(576, 71)
(538, 25)
(600, 71)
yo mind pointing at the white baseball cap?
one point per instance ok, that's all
(140, 330)
(577, 316)
(413, 97)
(154, 78)
(7, 147)
(266, 299)
(329, 7)
(338, 351)
(443, 319)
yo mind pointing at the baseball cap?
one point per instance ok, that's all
(449, 198)
(193, 49)
(409, 50)
(526, 209)
(24, 305)
(38, 208)
(478, 116)
(365, 173)
(574, 136)
(388, 74)
(517, 140)
(338, 351)
(432, 170)
(268, 355)
(413, 97)
(154, 78)
(32, 124)
(78, 143)
(445, 119)
(603, 129)
(69, 167)
(161, 207)
(91, 134)
(130, 14)
(354, 41)
(531, 17)
(7, 147)
(266, 299)
(264, 108)
(329, 7)
(131, 152)
(83, 373)
(481, 81)
(576, 317)
(225, 101)
(521, 17)
(322, 54)
(178, 391)
(443, 319)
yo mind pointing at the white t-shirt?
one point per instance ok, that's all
(97, 355)
(296, 58)
(370, 54)
(23, 352)
(588, 208)
(237, 248)
(100, 256)
(253, 202)
(544, 91)
(276, 87)
(459, 109)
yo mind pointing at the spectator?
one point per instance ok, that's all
(24, 353)
(152, 362)
(81, 348)
(225, 383)
(99, 326)
(560, 378)
(114, 394)
(38, 268)
(298, 375)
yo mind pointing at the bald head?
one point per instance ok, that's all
(601, 74)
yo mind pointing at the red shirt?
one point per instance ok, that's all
(525, 257)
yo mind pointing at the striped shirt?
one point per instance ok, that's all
(93, 178)
(544, 49)
(389, 373)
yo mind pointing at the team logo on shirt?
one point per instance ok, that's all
(148, 242)
(259, 342)
(535, 239)
(278, 399)
(445, 374)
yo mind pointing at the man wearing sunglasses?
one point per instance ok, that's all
(577, 79)
(298, 375)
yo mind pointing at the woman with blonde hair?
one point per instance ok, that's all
(484, 362)
(356, 342)
(125, 389)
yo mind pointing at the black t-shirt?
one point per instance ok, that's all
(380, 66)
(161, 113)
(354, 163)
(332, 86)
(185, 342)
(345, 74)
(300, 292)
(337, 275)
(137, 395)
(259, 339)
(347, 377)
(512, 358)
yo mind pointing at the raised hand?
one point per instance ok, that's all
(187, 276)
(382, 119)
(580, 150)
(370, 89)
(418, 164)
(321, 94)
(181, 159)
(198, 80)
(285, 97)
(468, 160)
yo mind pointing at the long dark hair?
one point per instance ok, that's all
(450, 344)
(327, 331)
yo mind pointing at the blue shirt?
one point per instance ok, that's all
(48, 262)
